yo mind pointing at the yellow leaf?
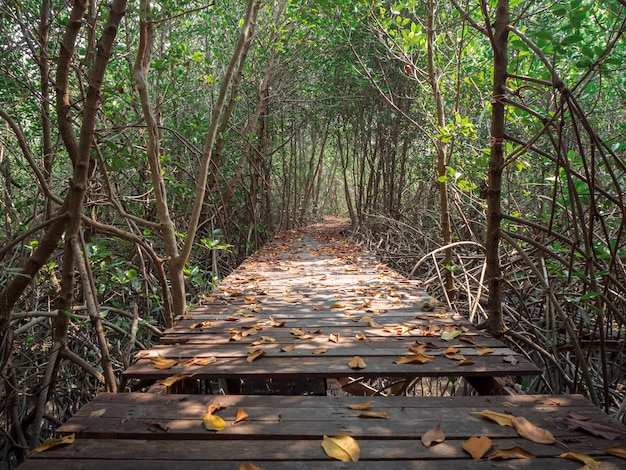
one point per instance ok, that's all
(341, 447)
(414, 359)
(172, 379)
(288, 348)
(484, 350)
(199, 361)
(162, 363)
(213, 422)
(52, 443)
(433, 436)
(617, 451)
(361, 406)
(360, 337)
(501, 418)
(579, 457)
(319, 351)
(374, 414)
(98, 413)
(533, 433)
(249, 332)
(269, 339)
(241, 415)
(249, 466)
(356, 363)
(477, 447)
(450, 335)
(255, 355)
(276, 324)
(334, 337)
(511, 453)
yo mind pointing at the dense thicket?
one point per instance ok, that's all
(147, 148)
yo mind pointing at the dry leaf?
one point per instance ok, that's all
(511, 453)
(501, 418)
(98, 413)
(579, 457)
(319, 351)
(341, 447)
(241, 415)
(154, 426)
(418, 349)
(249, 466)
(468, 361)
(334, 337)
(52, 443)
(617, 451)
(533, 433)
(574, 421)
(288, 348)
(414, 359)
(484, 350)
(213, 422)
(374, 414)
(172, 379)
(338, 306)
(360, 337)
(467, 339)
(297, 331)
(269, 339)
(162, 363)
(356, 363)
(510, 359)
(433, 436)
(477, 447)
(276, 324)
(360, 406)
(203, 324)
(199, 361)
(450, 335)
(255, 355)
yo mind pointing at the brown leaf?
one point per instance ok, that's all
(241, 415)
(374, 414)
(617, 451)
(468, 339)
(249, 466)
(356, 363)
(477, 447)
(501, 418)
(319, 351)
(341, 447)
(533, 433)
(574, 421)
(288, 348)
(154, 426)
(276, 324)
(338, 305)
(579, 457)
(319, 307)
(204, 324)
(418, 349)
(414, 359)
(433, 436)
(98, 413)
(360, 337)
(268, 339)
(255, 355)
(172, 379)
(511, 453)
(484, 350)
(199, 361)
(334, 337)
(297, 331)
(468, 361)
(360, 406)
(162, 363)
(52, 443)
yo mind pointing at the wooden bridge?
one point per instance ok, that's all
(311, 339)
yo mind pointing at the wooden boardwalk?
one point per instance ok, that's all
(310, 315)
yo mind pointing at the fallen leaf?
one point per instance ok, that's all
(213, 422)
(235, 338)
(154, 426)
(360, 337)
(484, 350)
(52, 443)
(255, 355)
(433, 436)
(241, 415)
(276, 324)
(450, 335)
(338, 306)
(414, 359)
(297, 331)
(98, 413)
(356, 363)
(162, 363)
(269, 339)
(468, 361)
(319, 307)
(418, 349)
(574, 421)
(203, 324)
(511, 453)
(341, 447)
(579, 457)
(477, 447)
(360, 406)
(452, 353)
(334, 337)
(467, 339)
(319, 351)
(533, 433)
(172, 379)
(249, 466)
(231, 318)
(501, 418)
(374, 414)
(510, 359)
(199, 361)
(617, 451)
